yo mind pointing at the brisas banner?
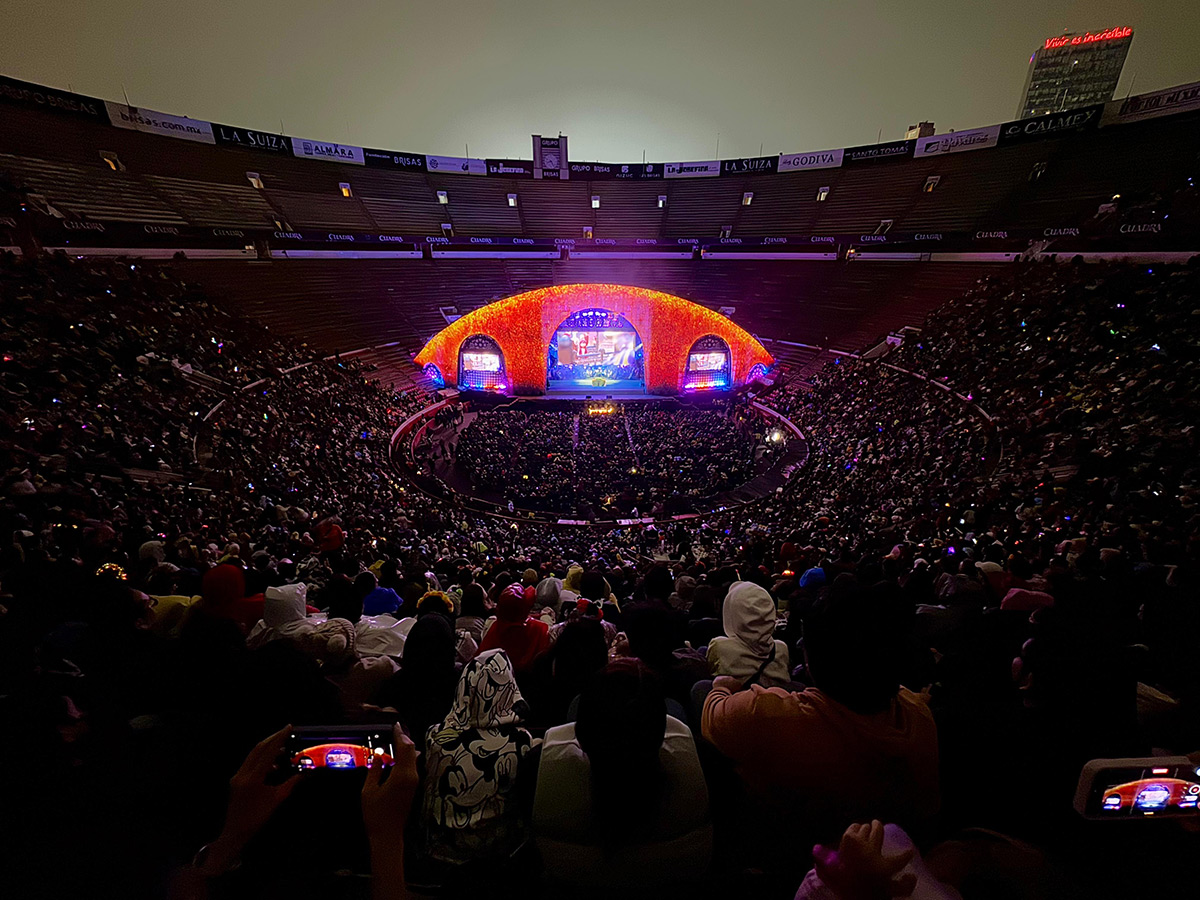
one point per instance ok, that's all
(394, 159)
(149, 121)
(619, 171)
(34, 96)
(550, 157)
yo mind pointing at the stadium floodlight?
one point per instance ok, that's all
(443, 197)
(344, 187)
(255, 180)
(822, 193)
(595, 201)
(447, 229)
(512, 199)
(747, 198)
(662, 200)
(587, 232)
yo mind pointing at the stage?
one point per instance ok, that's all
(586, 389)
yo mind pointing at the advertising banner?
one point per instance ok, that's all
(818, 159)
(510, 168)
(619, 171)
(1152, 105)
(1086, 118)
(878, 152)
(394, 159)
(455, 165)
(328, 151)
(708, 169)
(34, 96)
(550, 157)
(151, 122)
(228, 136)
(754, 165)
(957, 141)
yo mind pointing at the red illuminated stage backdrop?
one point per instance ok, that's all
(521, 328)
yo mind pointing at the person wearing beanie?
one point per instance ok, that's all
(813, 579)
(284, 616)
(521, 637)
(749, 649)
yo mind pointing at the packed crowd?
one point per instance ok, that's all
(903, 659)
(632, 458)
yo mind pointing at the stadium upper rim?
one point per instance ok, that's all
(1178, 99)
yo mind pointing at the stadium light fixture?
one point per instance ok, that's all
(747, 198)
(512, 199)
(447, 229)
(595, 201)
(662, 200)
(112, 160)
(344, 187)
(443, 197)
(255, 180)
(587, 232)
(822, 193)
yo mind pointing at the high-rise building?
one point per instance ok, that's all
(1073, 70)
(920, 130)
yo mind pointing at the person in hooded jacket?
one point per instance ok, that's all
(749, 649)
(856, 746)
(471, 808)
(223, 594)
(521, 637)
(285, 616)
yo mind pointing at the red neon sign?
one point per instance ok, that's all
(1111, 34)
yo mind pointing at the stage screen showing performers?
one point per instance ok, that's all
(607, 354)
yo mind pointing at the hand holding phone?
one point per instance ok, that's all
(340, 747)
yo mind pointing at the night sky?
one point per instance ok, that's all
(618, 77)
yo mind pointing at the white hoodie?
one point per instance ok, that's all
(749, 619)
(284, 616)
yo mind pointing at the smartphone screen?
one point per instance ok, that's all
(340, 747)
(1145, 791)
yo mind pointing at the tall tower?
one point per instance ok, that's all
(1074, 70)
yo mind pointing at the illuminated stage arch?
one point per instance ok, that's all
(522, 327)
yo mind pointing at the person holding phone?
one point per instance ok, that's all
(256, 791)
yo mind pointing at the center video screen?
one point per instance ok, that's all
(706, 362)
(480, 362)
(596, 348)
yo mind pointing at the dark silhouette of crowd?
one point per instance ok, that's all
(881, 681)
(623, 459)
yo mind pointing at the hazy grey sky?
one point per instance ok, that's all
(618, 76)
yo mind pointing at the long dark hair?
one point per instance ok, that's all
(621, 724)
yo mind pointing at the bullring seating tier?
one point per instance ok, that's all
(60, 159)
(339, 305)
